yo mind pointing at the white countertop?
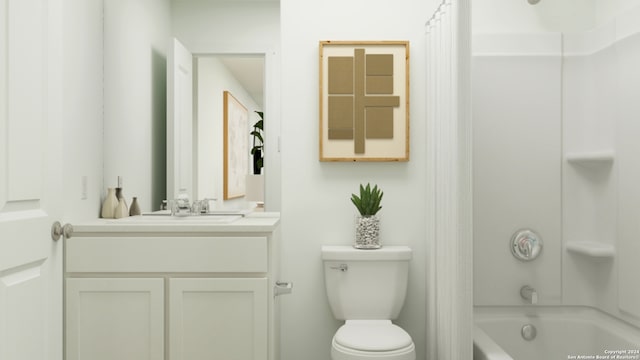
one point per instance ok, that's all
(255, 222)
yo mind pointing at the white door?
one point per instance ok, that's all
(30, 180)
(179, 120)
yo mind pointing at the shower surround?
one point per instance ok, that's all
(555, 150)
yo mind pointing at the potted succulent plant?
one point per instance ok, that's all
(258, 144)
(367, 223)
(255, 180)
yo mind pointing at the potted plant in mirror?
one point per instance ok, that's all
(258, 144)
(255, 180)
(367, 222)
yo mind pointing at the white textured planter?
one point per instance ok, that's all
(367, 232)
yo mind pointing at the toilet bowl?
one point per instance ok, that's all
(367, 288)
(371, 339)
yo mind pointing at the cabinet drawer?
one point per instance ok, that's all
(167, 254)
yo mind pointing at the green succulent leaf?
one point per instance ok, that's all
(368, 203)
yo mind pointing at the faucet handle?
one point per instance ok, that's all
(525, 245)
(206, 204)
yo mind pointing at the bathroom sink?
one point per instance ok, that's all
(212, 212)
(175, 220)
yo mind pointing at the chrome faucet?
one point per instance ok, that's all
(206, 205)
(530, 294)
(181, 206)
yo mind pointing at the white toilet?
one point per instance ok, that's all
(367, 288)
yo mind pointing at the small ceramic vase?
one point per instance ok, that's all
(109, 204)
(135, 207)
(121, 210)
(120, 195)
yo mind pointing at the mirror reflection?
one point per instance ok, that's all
(133, 54)
(241, 76)
(215, 127)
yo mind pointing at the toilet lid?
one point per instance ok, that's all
(372, 335)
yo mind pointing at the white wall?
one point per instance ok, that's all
(628, 148)
(213, 79)
(315, 200)
(206, 26)
(518, 16)
(114, 101)
(601, 114)
(589, 204)
(136, 37)
(82, 108)
(607, 10)
(517, 169)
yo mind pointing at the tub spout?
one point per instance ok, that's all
(530, 294)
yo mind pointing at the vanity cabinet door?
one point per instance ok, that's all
(221, 318)
(109, 319)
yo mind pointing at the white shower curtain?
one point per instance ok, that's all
(449, 283)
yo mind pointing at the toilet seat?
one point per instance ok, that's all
(369, 339)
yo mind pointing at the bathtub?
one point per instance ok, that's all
(563, 332)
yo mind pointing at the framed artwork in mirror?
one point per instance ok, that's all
(236, 147)
(364, 100)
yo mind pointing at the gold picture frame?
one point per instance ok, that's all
(364, 100)
(236, 147)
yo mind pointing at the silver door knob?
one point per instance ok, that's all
(58, 230)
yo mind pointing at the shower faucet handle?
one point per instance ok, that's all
(525, 245)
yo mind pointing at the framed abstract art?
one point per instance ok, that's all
(236, 147)
(364, 100)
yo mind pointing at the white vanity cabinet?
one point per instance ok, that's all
(115, 318)
(218, 318)
(171, 291)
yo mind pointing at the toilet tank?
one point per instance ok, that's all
(366, 284)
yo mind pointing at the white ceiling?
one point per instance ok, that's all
(249, 71)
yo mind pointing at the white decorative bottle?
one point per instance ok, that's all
(109, 204)
(121, 209)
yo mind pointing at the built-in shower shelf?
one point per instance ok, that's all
(592, 249)
(593, 158)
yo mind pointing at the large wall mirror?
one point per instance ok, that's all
(215, 126)
(230, 46)
(226, 86)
